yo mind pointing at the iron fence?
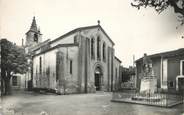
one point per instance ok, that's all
(165, 99)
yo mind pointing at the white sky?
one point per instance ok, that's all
(134, 31)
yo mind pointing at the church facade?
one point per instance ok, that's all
(80, 61)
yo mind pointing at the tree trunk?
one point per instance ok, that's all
(2, 87)
(7, 86)
(2, 82)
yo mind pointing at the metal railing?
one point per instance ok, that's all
(165, 99)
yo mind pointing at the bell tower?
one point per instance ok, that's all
(33, 36)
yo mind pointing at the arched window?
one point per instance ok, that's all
(98, 47)
(35, 37)
(104, 51)
(92, 47)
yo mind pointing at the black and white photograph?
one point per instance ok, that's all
(92, 57)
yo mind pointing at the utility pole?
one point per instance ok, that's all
(133, 60)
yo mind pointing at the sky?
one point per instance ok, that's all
(133, 31)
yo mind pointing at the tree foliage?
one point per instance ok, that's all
(13, 60)
(127, 73)
(161, 5)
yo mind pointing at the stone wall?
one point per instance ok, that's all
(88, 64)
(47, 77)
(117, 79)
(173, 72)
(82, 78)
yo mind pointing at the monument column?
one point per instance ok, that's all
(149, 81)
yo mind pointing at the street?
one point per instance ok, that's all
(29, 103)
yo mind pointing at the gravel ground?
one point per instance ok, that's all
(29, 103)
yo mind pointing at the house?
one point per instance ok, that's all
(168, 67)
(79, 61)
(18, 82)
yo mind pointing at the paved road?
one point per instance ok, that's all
(28, 103)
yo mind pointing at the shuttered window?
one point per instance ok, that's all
(71, 66)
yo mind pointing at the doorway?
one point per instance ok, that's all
(98, 78)
(181, 84)
(97, 82)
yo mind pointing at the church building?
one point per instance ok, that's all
(80, 61)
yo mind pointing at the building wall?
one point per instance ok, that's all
(88, 64)
(30, 38)
(157, 70)
(166, 70)
(38, 76)
(15, 82)
(21, 81)
(117, 79)
(139, 73)
(82, 78)
(66, 40)
(47, 78)
(173, 72)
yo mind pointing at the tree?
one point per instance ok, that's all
(127, 73)
(13, 60)
(161, 5)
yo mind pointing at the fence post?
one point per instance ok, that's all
(166, 100)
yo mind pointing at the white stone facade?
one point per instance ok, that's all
(81, 60)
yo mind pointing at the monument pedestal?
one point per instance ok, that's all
(148, 88)
(148, 85)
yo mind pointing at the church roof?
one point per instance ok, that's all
(83, 28)
(38, 46)
(117, 59)
(57, 46)
(34, 27)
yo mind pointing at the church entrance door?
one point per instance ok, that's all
(97, 82)
(98, 78)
